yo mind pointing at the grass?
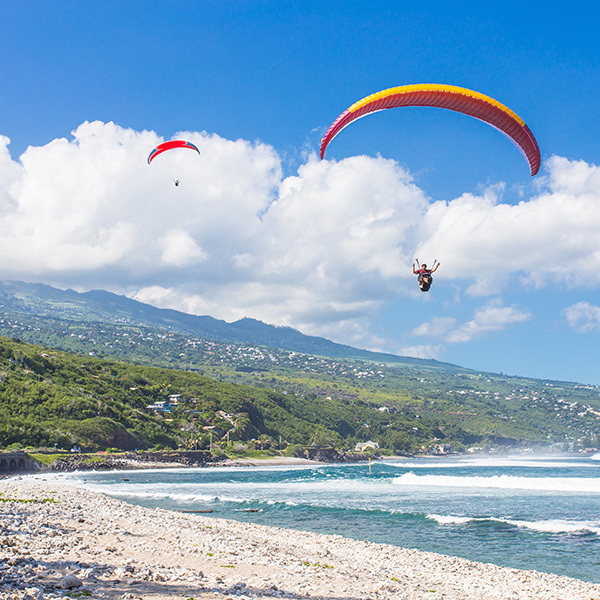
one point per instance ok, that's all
(30, 500)
(45, 459)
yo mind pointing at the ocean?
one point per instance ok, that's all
(540, 513)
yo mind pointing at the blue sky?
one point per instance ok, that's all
(259, 226)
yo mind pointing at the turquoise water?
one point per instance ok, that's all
(526, 513)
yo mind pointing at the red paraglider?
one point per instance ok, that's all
(450, 97)
(169, 146)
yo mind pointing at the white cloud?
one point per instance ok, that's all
(423, 351)
(180, 250)
(437, 326)
(10, 177)
(550, 238)
(583, 317)
(492, 317)
(321, 251)
(94, 198)
(331, 247)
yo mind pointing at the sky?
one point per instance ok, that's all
(259, 226)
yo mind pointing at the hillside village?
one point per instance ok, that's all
(404, 403)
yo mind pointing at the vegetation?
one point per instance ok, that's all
(54, 399)
(103, 364)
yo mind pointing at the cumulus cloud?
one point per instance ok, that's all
(583, 317)
(322, 250)
(491, 317)
(93, 203)
(180, 250)
(10, 177)
(550, 238)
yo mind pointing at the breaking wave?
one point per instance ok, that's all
(508, 482)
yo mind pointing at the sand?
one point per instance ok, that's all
(59, 541)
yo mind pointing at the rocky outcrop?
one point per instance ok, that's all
(148, 460)
(132, 460)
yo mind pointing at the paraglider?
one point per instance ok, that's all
(450, 97)
(424, 275)
(169, 146)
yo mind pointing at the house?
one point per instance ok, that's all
(163, 406)
(159, 407)
(362, 446)
(227, 416)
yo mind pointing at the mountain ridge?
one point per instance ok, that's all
(104, 306)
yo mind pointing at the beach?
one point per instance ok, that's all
(60, 541)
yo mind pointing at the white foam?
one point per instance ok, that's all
(508, 482)
(545, 526)
(541, 462)
(450, 520)
(557, 526)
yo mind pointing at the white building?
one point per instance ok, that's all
(362, 446)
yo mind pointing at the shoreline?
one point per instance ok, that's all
(21, 463)
(128, 461)
(286, 461)
(119, 551)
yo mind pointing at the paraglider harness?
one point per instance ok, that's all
(424, 277)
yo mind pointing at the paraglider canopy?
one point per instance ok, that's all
(450, 97)
(169, 146)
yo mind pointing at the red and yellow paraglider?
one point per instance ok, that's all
(450, 97)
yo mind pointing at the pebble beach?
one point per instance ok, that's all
(60, 541)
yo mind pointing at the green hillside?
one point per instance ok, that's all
(49, 397)
(111, 357)
(52, 398)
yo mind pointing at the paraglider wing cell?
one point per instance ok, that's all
(169, 146)
(450, 97)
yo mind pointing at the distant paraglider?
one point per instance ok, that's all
(170, 145)
(450, 97)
